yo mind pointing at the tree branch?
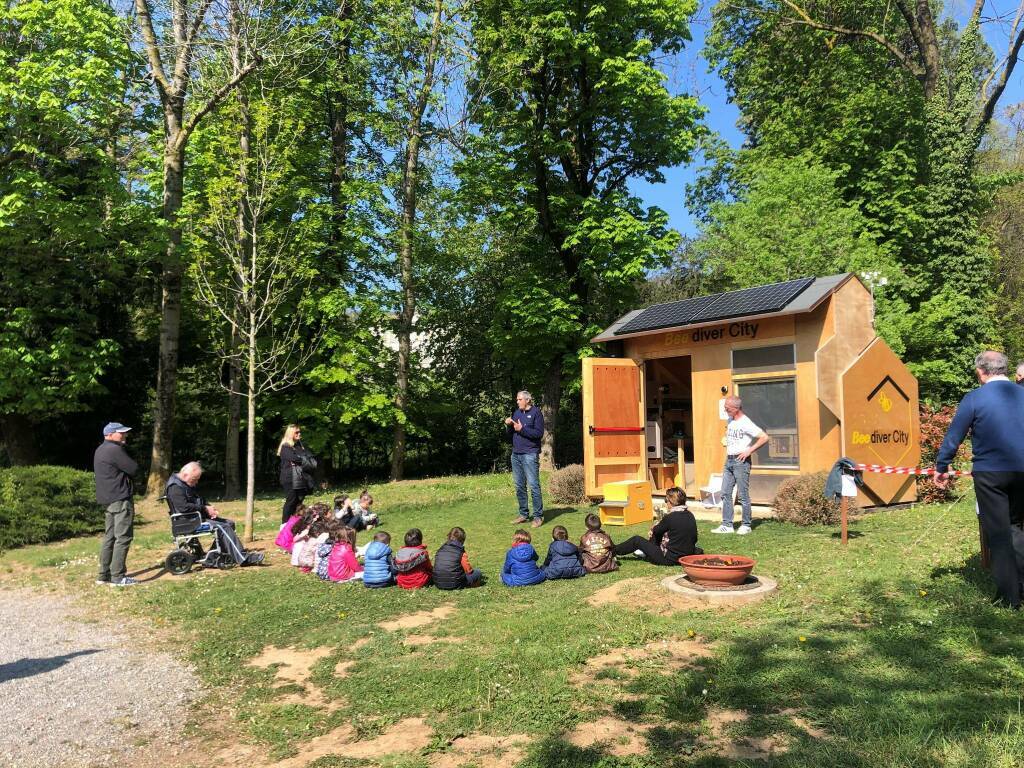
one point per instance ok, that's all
(152, 47)
(905, 61)
(1012, 55)
(214, 101)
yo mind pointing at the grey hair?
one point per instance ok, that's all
(992, 363)
(1019, 366)
(525, 393)
(190, 467)
(734, 401)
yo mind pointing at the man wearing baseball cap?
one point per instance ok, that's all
(114, 470)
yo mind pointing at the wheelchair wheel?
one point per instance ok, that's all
(198, 553)
(179, 562)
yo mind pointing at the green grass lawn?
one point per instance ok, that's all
(891, 649)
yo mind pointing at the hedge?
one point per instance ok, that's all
(43, 503)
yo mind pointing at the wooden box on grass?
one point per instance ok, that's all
(626, 502)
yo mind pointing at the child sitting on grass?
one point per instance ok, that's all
(363, 510)
(300, 531)
(286, 536)
(597, 547)
(451, 563)
(412, 563)
(563, 560)
(379, 562)
(520, 568)
(674, 537)
(342, 508)
(315, 536)
(335, 532)
(342, 564)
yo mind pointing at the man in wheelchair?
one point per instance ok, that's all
(183, 500)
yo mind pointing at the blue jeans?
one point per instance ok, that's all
(526, 471)
(736, 473)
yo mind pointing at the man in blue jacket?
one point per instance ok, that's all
(526, 428)
(994, 415)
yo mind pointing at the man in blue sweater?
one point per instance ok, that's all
(994, 415)
(526, 428)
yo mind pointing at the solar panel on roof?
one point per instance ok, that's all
(720, 306)
(666, 315)
(752, 301)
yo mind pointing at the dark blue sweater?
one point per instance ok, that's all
(527, 440)
(994, 415)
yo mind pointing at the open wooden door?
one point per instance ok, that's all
(614, 444)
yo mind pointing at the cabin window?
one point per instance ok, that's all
(771, 404)
(764, 359)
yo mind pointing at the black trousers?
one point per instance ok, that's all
(291, 501)
(1000, 507)
(651, 550)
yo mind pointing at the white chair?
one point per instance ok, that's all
(711, 494)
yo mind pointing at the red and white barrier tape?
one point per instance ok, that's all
(886, 470)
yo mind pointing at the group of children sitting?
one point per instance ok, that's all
(323, 541)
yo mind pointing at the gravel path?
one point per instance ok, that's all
(76, 694)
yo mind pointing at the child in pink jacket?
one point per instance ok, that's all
(342, 564)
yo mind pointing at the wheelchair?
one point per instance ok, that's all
(187, 530)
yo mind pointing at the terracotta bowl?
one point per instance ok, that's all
(735, 571)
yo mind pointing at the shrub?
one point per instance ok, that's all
(43, 503)
(934, 423)
(566, 485)
(801, 500)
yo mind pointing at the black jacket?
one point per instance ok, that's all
(114, 469)
(297, 456)
(681, 528)
(182, 498)
(448, 571)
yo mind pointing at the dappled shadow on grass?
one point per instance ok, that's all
(909, 671)
(971, 572)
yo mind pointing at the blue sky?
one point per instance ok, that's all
(688, 72)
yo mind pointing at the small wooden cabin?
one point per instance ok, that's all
(803, 356)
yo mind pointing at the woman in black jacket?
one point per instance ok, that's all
(681, 528)
(297, 467)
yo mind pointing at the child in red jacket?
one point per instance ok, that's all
(412, 562)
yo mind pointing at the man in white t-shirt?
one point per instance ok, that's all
(742, 438)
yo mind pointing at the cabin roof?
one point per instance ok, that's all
(777, 299)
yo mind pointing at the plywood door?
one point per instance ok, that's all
(613, 421)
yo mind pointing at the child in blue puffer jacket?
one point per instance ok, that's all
(520, 569)
(379, 562)
(563, 560)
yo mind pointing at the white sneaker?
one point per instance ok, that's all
(723, 528)
(743, 530)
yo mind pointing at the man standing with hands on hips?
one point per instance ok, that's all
(739, 433)
(526, 428)
(114, 487)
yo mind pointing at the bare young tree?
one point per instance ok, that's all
(185, 30)
(253, 278)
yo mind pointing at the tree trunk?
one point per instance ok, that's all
(337, 118)
(243, 228)
(170, 311)
(19, 439)
(250, 435)
(232, 464)
(406, 238)
(552, 399)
